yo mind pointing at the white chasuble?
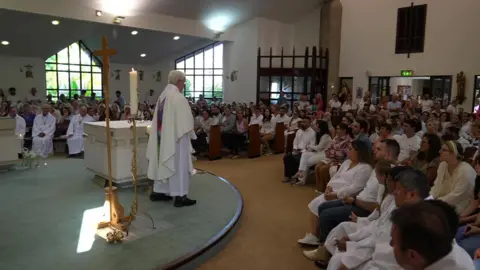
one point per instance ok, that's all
(43, 146)
(75, 129)
(170, 157)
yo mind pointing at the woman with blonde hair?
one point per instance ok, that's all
(455, 178)
(127, 113)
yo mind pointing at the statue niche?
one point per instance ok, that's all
(461, 87)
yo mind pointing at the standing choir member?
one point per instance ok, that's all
(42, 132)
(169, 150)
(75, 135)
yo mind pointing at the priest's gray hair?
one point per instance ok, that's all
(175, 76)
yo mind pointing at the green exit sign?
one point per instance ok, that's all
(406, 73)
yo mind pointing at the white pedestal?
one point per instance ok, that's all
(9, 141)
(121, 150)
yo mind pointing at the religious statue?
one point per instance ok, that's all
(359, 92)
(140, 75)
(29, 72)
(233, 76)
(117, 74)
(461, 87)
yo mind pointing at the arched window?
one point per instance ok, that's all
(204, 71)
(74, 69)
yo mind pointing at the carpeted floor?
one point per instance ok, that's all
(44, 216)
(275, 215)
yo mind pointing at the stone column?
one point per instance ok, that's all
(330, 37)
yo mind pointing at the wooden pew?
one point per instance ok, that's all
(468, 154)
(290, 139)
(279, 140)
(254, 141)
(215, 143)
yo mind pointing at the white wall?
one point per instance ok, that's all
(123, 85)
(241, 54)
(307, 31)
(451, 42)
(11, 76)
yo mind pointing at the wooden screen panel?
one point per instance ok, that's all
(279, 139)
(290, 139)
(215, 145)
(254, 141)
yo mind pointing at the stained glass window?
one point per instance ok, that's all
(72, 70)
(204, 72)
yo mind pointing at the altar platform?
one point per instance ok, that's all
(45, 219)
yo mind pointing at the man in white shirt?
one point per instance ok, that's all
(334, 102)
(282, 117)
(368, 247)
(427, 103)
(304, 137)
(75, 134)
(332, 213)
(422, 238)
(216, 116)
(395, 105)
(33, 98)
(257, 118)
(20, 127)
(452, 108)
(409, 142)
(303, 102)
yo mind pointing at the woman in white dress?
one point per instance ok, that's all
(314, 155)
(350, 179)
(267, 131)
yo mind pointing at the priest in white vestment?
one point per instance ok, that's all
(169, 150)
(20, 127)
(75, 134)
(42, 132)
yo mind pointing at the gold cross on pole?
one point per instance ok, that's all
(116, 210)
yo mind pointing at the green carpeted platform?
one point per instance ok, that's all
(42, 211)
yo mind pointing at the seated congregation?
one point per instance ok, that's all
(49, 126)
(395, 190)
(396, 183)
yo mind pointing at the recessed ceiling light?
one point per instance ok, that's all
(134, 32)
(5, 43)
(143, 55)
(55, 22)
(98, 13)
(176, 38)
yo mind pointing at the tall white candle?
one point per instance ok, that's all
(133, 92)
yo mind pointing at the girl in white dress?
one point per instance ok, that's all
(314, 155)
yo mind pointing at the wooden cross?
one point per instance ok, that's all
(117, 217)
(105, 53)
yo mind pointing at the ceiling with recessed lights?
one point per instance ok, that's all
(287, 11)
(33, 35)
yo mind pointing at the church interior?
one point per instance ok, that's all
(319, 134)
